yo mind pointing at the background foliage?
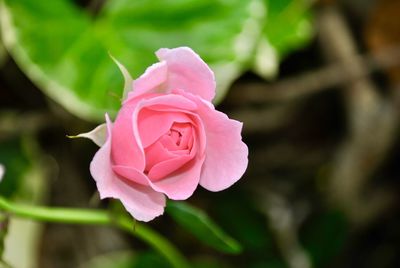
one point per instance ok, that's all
(76, 69)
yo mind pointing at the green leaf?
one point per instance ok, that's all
(325, 236)
(287, 28)
(64, 49)
(289, 24)
(150, 259)
(258, 238)
(199, 224)
(15, 159)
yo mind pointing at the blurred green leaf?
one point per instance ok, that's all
(236, 212)
(150, 259)
(14, 157)
(199, 224)
(64, 49)
(287, 28)
(289, 24)
(325, 236)
(127, 259)
(25, 179)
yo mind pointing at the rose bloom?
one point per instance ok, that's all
(167, 138)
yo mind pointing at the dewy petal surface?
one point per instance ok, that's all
(142, 202)
(188, 72)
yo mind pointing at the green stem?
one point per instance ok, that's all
(98, 217)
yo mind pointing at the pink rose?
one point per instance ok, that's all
(167, 138)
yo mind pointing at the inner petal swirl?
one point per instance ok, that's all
(170, 152)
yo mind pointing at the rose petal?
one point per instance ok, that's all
(131, 174)
(182, 135)
(195, 122)
(126, 144)
(152, 125)
(187, 71)
(142, 202)
(169, 102)
(156, 153)
(163, 169)
(150, 81)
(180, 185)
(159, 103)
(180, 176)
(226, 154)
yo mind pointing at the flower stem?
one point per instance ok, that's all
(98, 217)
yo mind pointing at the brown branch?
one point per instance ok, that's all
(335, 74)
(372, 120)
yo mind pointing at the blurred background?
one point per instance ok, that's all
(316, 83)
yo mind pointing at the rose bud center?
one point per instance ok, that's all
(170, 151)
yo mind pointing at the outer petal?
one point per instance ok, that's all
(126, 144)
(226, 153)
(187, 71)
(180, 185)
(142, 202)
(150, 81)
(168, 102)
